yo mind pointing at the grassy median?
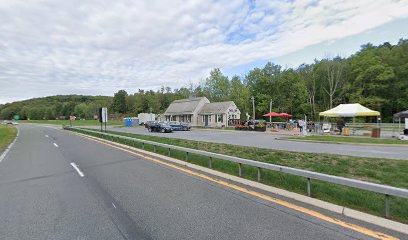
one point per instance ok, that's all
(74, 123)
(344, 139)
(7, 135)
(383, 171)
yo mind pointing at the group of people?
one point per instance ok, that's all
(310, 125)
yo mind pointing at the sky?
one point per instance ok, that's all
(97, 47)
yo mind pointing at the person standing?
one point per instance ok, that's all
(340, 125)
(300, 124)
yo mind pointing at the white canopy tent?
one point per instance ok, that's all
(403, 114)
(350, 110)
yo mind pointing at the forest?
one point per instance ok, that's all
(375, 76)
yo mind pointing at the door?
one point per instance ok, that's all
(206, 120)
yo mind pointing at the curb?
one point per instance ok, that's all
(348, 212)
(3, 155)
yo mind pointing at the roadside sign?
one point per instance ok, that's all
(72, 118)
(103, 116)
(16, 117)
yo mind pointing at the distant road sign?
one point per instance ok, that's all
(16, 117)
(103, 115)
(72, 118)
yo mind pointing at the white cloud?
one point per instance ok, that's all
(97, 47)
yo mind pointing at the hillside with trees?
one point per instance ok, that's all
(53, 107)
(375, 76)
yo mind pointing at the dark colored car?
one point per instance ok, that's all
(160, 127)
(148, 123)
(178, 126)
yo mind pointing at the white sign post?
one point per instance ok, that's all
(103, 116)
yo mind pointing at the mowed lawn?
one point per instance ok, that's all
(7, 135)
(382, 171)
(74, 123)
(345, 139)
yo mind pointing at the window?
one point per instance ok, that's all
(203, 118)
(209, 118)
(220, 118)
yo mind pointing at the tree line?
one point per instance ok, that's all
(375, 76)
(53, 107)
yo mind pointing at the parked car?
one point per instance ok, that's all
(148, 123)
(160, 127)
(178, 126)
(257, 125)
(5, 122)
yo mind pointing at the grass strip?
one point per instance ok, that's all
(7, 135)
(383, 171)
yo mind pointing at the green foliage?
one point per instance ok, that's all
(119, 102)
(55, 106)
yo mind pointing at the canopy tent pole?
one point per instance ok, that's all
(393, 126)
(399, 125)
(354, 126)
(270, 110)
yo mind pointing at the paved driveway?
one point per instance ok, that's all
(268, 140)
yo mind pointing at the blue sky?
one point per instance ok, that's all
(390, 32)
(97, 47)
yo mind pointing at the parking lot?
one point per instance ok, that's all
(272, 141)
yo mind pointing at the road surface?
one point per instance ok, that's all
(266, 140)
(58, 185)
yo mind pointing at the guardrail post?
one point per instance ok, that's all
(240, 169)
(187, 156)
(259, 174)
(143, 146)
(308, 187)
(169, 153)
(387, 206)
(154, 148)
(210, 163)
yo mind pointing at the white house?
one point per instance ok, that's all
(200, 112)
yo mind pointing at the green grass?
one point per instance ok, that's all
(344, 139)
(7, 135)
(383, 171)
(74, 123)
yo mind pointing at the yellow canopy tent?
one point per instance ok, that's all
(350, 110)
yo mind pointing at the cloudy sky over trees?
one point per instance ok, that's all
(98, 47)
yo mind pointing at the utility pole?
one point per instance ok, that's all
(270, 110)
(253, 108)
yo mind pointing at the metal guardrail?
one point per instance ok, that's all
(373, 187)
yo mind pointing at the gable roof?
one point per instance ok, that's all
(214, 108)
(184, 106)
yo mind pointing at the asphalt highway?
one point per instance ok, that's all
(58, 185)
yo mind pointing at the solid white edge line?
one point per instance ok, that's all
(55, 145)
(77, 169)
(3, 155)
(113, 205)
